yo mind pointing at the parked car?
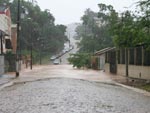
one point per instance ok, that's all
(53, 57)
(56, 61)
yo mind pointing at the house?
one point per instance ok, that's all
(131, 62)
(5, 29)
(5, 35)
(101, 54)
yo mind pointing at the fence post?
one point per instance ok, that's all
(126, 61)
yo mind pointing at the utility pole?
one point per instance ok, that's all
(18, 41)
(1, 36)
(31, 46)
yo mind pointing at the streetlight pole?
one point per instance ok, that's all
(18, 40)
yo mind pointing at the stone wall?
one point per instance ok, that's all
(121, 69)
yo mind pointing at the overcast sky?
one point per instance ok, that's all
(70, 11)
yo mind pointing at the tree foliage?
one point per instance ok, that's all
(94, 31)
(107, 27)
(133, 28)
(80, 60)
(37, 28)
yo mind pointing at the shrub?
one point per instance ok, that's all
(80, 60)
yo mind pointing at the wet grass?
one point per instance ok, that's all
(145, 87)
(137, 83)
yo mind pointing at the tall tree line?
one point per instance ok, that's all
(37, 26)
(108, 28)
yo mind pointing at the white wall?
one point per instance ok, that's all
(121, 69)
(107, 67)
(142, 72)
(102, 61)
(5, 24)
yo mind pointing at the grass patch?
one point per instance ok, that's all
(145, 87)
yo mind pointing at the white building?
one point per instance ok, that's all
(5, 29)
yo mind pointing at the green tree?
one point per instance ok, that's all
(133, 29)
(38, 27)
(95, 29)
(80, 60)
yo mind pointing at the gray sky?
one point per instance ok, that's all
(70, 11)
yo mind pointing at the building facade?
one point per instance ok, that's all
(5, 29)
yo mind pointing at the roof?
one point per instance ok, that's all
(102, 51)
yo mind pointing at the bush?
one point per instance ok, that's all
(80, 60)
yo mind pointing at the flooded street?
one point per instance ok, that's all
(74, 56)
(62, 71)
(63, 89)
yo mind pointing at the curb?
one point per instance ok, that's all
(8, 84)
(146, 93)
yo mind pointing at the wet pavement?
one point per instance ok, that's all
(64, 89)
(62, 71)
(6, 78)
(65, 95)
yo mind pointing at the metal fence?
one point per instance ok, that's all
(136, 56)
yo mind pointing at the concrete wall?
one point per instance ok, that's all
(102, 62)
(121, 69)
(107, 67)
(1, 65)
(142, 72)
(134, 71)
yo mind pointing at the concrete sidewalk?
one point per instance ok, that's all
(6, 78)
